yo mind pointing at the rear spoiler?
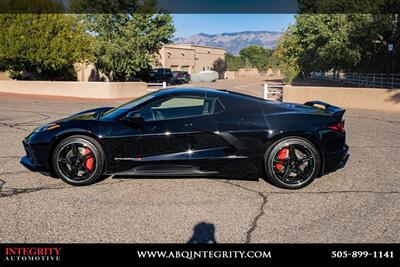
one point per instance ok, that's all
(336, 112)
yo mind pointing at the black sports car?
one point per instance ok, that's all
(193, 132)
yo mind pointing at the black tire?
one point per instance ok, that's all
(292, 171)
(65, 161)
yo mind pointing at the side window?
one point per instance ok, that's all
(218, 106)
(177, 107)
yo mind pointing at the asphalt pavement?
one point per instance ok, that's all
(359, 203)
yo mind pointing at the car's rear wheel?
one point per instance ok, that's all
(292, 163)
(78, 160)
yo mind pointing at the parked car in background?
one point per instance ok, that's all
(181, 77)
(205, 76)
(159, 75)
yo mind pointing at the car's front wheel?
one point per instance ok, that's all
(78, 160)
(292, 163)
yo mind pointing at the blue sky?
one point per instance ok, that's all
(189, 24)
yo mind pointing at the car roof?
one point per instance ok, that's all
(211, 91)
(188, 90)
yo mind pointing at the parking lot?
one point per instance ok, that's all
(360, 203)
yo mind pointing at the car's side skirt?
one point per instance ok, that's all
(166, 171)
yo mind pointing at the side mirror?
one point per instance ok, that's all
(133, 119)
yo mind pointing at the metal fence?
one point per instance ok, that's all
(374, 80)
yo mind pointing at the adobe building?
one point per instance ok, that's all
(185, 57)
(188, 57)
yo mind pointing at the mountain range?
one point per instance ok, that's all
(233, 42)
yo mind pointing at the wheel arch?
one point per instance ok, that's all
(304, 135)
(62, 136)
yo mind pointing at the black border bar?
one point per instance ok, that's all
(202, 6)
(185, 255)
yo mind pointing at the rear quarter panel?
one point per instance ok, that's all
(243, 118)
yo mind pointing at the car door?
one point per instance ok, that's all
(175, 133)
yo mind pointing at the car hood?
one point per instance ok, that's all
(92, 111)
(86, 114)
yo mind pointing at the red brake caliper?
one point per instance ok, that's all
(282, 154)
(89, 161)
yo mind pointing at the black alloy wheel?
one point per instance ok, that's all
(78, 160)
(292, 163)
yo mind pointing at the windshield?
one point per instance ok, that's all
(116, 112)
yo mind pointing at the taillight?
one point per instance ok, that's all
(337, 127)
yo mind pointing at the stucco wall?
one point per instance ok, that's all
(230, 75)
(358, 98)
(187, 57)
(76, 89)
(248, 72)
(177, 58)
(205, 57)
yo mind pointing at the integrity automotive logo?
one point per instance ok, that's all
(31, 254)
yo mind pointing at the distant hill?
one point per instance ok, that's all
(233, 42)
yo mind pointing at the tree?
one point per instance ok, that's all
(287, 53)
(326, 44)
(220, 66)
(31, 6)
(256, 56)
(127, 42)
(343, 42)
(233, 63)
(45, 46)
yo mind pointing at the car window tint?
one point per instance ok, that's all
(177, 107)
(218, 107)
(182, 102)
(116, 112)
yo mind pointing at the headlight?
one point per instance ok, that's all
(47, 127)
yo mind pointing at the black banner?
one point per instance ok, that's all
(200, 254)
(202, 6)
